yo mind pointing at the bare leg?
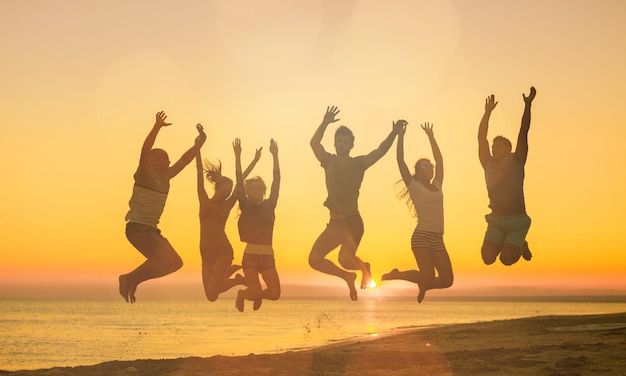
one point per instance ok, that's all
(253, 292)
(239, 301)
(490, 251)
(237, 280)
(272, 292)
(167, 261)
(405, 275)
(328, 267)
(352, 262)
(124, 286)
(215, 278)
(510, 254)
(330, 239)
(526, 254)
(444, 279)
(391, 275)
(367, 275)
(425, 279)
(232, 270)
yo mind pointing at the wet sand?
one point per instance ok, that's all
(548, 345)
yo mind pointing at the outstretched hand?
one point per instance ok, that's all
(329, 116)
(399, 126)
(273, 147)
(428, 128)
(529, 99)
(160, 119)
(201, 135)
(237, 146)
(257, 154)
(490, 103)
(237, 149)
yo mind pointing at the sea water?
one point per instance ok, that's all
(45, 333)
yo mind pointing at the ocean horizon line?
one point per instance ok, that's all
(574, 298)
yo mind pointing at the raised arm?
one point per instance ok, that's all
(316, 140)
(428, 128)
(240, 192)
(384, 146)
(404, 170)
(248, 170)
(189, 154)
(233, 197)
(202, 195)
(275, 171)
(521, 149)
(151, 138)
(484, 155)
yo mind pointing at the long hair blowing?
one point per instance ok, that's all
(212, 170)
(404, 194)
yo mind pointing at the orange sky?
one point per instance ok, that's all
(81, 82)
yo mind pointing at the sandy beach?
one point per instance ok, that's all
(549, 345)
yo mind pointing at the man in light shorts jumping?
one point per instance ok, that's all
(508, 223)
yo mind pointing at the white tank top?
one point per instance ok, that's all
(428, 206)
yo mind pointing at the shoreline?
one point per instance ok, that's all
(541, 345)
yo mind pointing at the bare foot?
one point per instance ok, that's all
(232, 269)
(390, 275)
(124, 287)
(526, 254)
(239, 280)
(421, 294)
(367, 276)
(257, 304)
(350, 281)
(131, 293)
(239, 301)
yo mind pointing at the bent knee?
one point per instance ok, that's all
(489, 252)
(489, 259)
(447, 282)
(315, 261)
(211, 296)
(176, 262)
(273, 295)
(347, 262)
(510, 254)
(508, 260)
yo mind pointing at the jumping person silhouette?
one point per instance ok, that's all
(508, 223)
(256, 229)
(423, 192)
(344, 175)
(215, 248)
(152, 185)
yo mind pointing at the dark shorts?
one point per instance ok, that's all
(219, 247)
(346, 232)
(147, 239)
(258, 262)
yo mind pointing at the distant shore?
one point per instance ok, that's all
(547, 345)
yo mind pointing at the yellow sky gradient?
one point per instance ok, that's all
(80, 83)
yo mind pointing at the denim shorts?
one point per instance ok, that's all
(258, 262)
(507, 229)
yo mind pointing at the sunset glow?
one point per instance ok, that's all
(82, 81)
